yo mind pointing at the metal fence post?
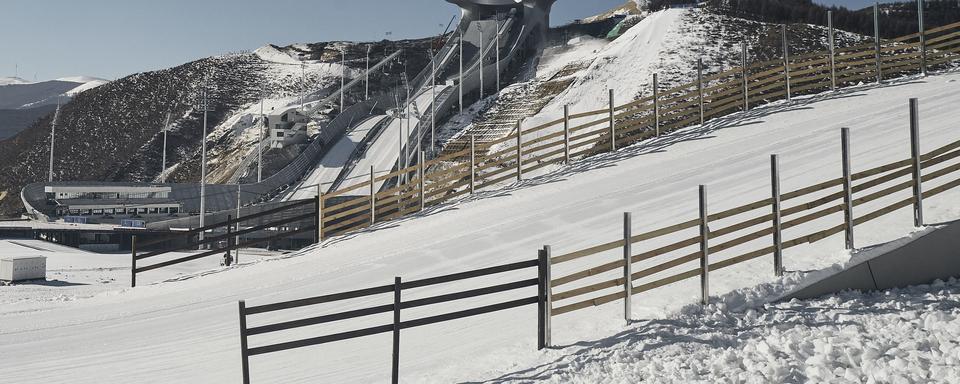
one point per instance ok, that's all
(423, 197)
(847, 188)
(244, 355)
(777, 228)
(519, 150)
(700, 86)
(566, 133)
(743, 76)
(318, 235)
(373, 197)
(133, 261)
(227, 257)
(923, 38)
(627, 266)
(833, 62)
(548, 300)
(786, 60)
(917, 170)
(704, 248)
(656, 106)
(876, 39)
(396, 329)
(613, 124)
(473, 164)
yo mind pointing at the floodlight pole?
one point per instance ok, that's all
(53, 135)
(260, 143)
(366, 93)
(203, 163)
(163, 162)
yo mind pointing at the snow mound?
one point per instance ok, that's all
(274, 55)
(896, 336)
(12, 81)
(82, 79)
(85, 86)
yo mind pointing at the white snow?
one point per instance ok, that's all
(271, 54)
(329, 168)
(12, 81)
(187, 330)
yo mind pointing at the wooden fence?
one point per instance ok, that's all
(577, 135)
(397, 288)
(766, 218)
(230, 238)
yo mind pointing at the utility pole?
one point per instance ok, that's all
(163, 163)
(303, 85)
(343, 75)
(53, 135)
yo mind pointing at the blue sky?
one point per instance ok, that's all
(113, 38)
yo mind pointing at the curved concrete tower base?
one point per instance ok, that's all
(535, 14)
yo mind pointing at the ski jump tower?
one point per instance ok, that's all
(535, 14)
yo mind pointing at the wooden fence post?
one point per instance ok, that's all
(700, 86)
(133, 261)
(744, 77)
(473, 164)
(847, 188)
(548, 298)
(923, 38)
(319, 213)
(423, 197)
(627, 267)
(833, 62)
(566, 133)
(704, 248)
(786, 60)
(777, 228)
(656, 106)
(876, 40)
(542, 284)
(613, 124)
(519, 150)
(396, 329)
(244, 355)
(373, 197)
(917, 170)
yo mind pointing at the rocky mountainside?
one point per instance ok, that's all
(113, 132)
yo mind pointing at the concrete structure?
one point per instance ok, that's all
(535, 14)
(110, 202)
(20, 268)
(287, 127)
(934, 255)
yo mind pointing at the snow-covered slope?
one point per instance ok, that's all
(187, 330)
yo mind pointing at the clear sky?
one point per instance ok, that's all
(114, 38)
(48, 39)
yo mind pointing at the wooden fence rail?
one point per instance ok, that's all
(589, 133)
(865, 187)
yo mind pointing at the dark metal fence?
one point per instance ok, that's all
(397, 288)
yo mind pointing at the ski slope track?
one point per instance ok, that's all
(187, 330)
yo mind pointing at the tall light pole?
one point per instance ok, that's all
(343, 75)
(433, 103)
(497, 48)
(366, 94)
(203, 162)
(303, 85)
(480, 28)
(53, 135)
(461, 72)
(163, 163)
(263, 125)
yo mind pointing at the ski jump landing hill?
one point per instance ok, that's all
(367, 133)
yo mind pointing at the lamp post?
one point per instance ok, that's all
(366, 93)
(53, 135)
(203, 162)
(163, 162)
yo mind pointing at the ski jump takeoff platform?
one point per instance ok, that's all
(933, 255)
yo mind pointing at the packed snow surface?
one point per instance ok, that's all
(186, 330)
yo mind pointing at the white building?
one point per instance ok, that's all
(114, 202)
(287, 127)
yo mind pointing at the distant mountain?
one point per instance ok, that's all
(23, 102)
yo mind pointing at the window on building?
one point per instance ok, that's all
(280, 134)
